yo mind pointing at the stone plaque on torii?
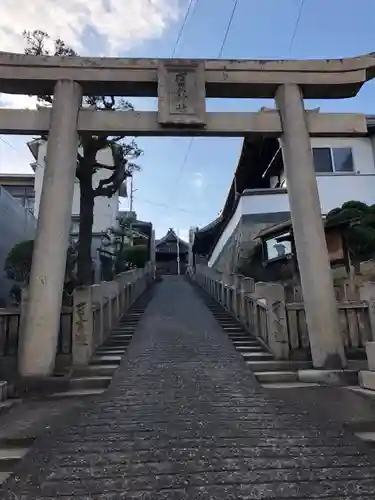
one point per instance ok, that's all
(181, 94)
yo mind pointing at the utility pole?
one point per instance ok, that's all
(178, 253)
(131, 194)
(131, 210)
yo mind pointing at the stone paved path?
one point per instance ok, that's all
(185, 419)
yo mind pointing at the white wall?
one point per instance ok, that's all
(334, 190)
(363, 156)
(337, 188)
(250, 204)
(226, 234)
(264, 203)
(105, 209)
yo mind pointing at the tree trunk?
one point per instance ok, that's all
(86, 218)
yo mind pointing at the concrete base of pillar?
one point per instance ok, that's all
(370, 352)
(35, 386)
(329, 377)
(3, 390)
(367, 380)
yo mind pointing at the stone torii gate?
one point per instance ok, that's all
(182, 87)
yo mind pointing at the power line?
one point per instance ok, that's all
(18, 151)
(164, 205)
(227, 31)
(299, 15)
(183, 25)
(132, 195)
(235, 5)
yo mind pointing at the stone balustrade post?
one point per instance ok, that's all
(83, 344)
(97, 299)
(237, 280)
(367, 295)
(107, 296)
(229, 292)
(115, 291)
(274, 295)
(217, 278)
(247, 287)
(223, 289)
(367, 377)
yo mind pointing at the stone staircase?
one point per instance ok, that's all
(23, 420)
(268, 371)
(95, 377)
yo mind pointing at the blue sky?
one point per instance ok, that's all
(172, 195)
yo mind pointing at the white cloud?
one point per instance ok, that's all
(115, 26)
(198, 180)
(18, 101)
(119, 24)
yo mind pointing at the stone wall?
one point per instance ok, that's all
(17, 224)
(241, 241)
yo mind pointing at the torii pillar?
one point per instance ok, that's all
(38, 342)
(320, 303)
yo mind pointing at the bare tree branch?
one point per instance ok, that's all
(108, 187)
(124, 152)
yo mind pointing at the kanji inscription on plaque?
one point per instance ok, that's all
(181, 93)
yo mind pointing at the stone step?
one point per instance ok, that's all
(367, 380)
(94, 382)
(251, 348)
(76, 393)
(288, 385)
(238, 338)
(276, 376)
(368, 437)
(117, 345)
(245, 343)
(130, 329)
(128, 333)
(257, 356)
(116, 342)
(103, 359)
(267, 366)
(120, 337)
(10, 456)
(4, 476)
(99, 370)
(110, 351)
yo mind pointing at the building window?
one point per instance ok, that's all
(278, 247)
(333, 160)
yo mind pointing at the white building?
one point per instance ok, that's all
(105, 209)
(258, 196)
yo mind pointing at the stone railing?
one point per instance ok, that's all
(260, 307)
(98, 308)
(281, 325)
